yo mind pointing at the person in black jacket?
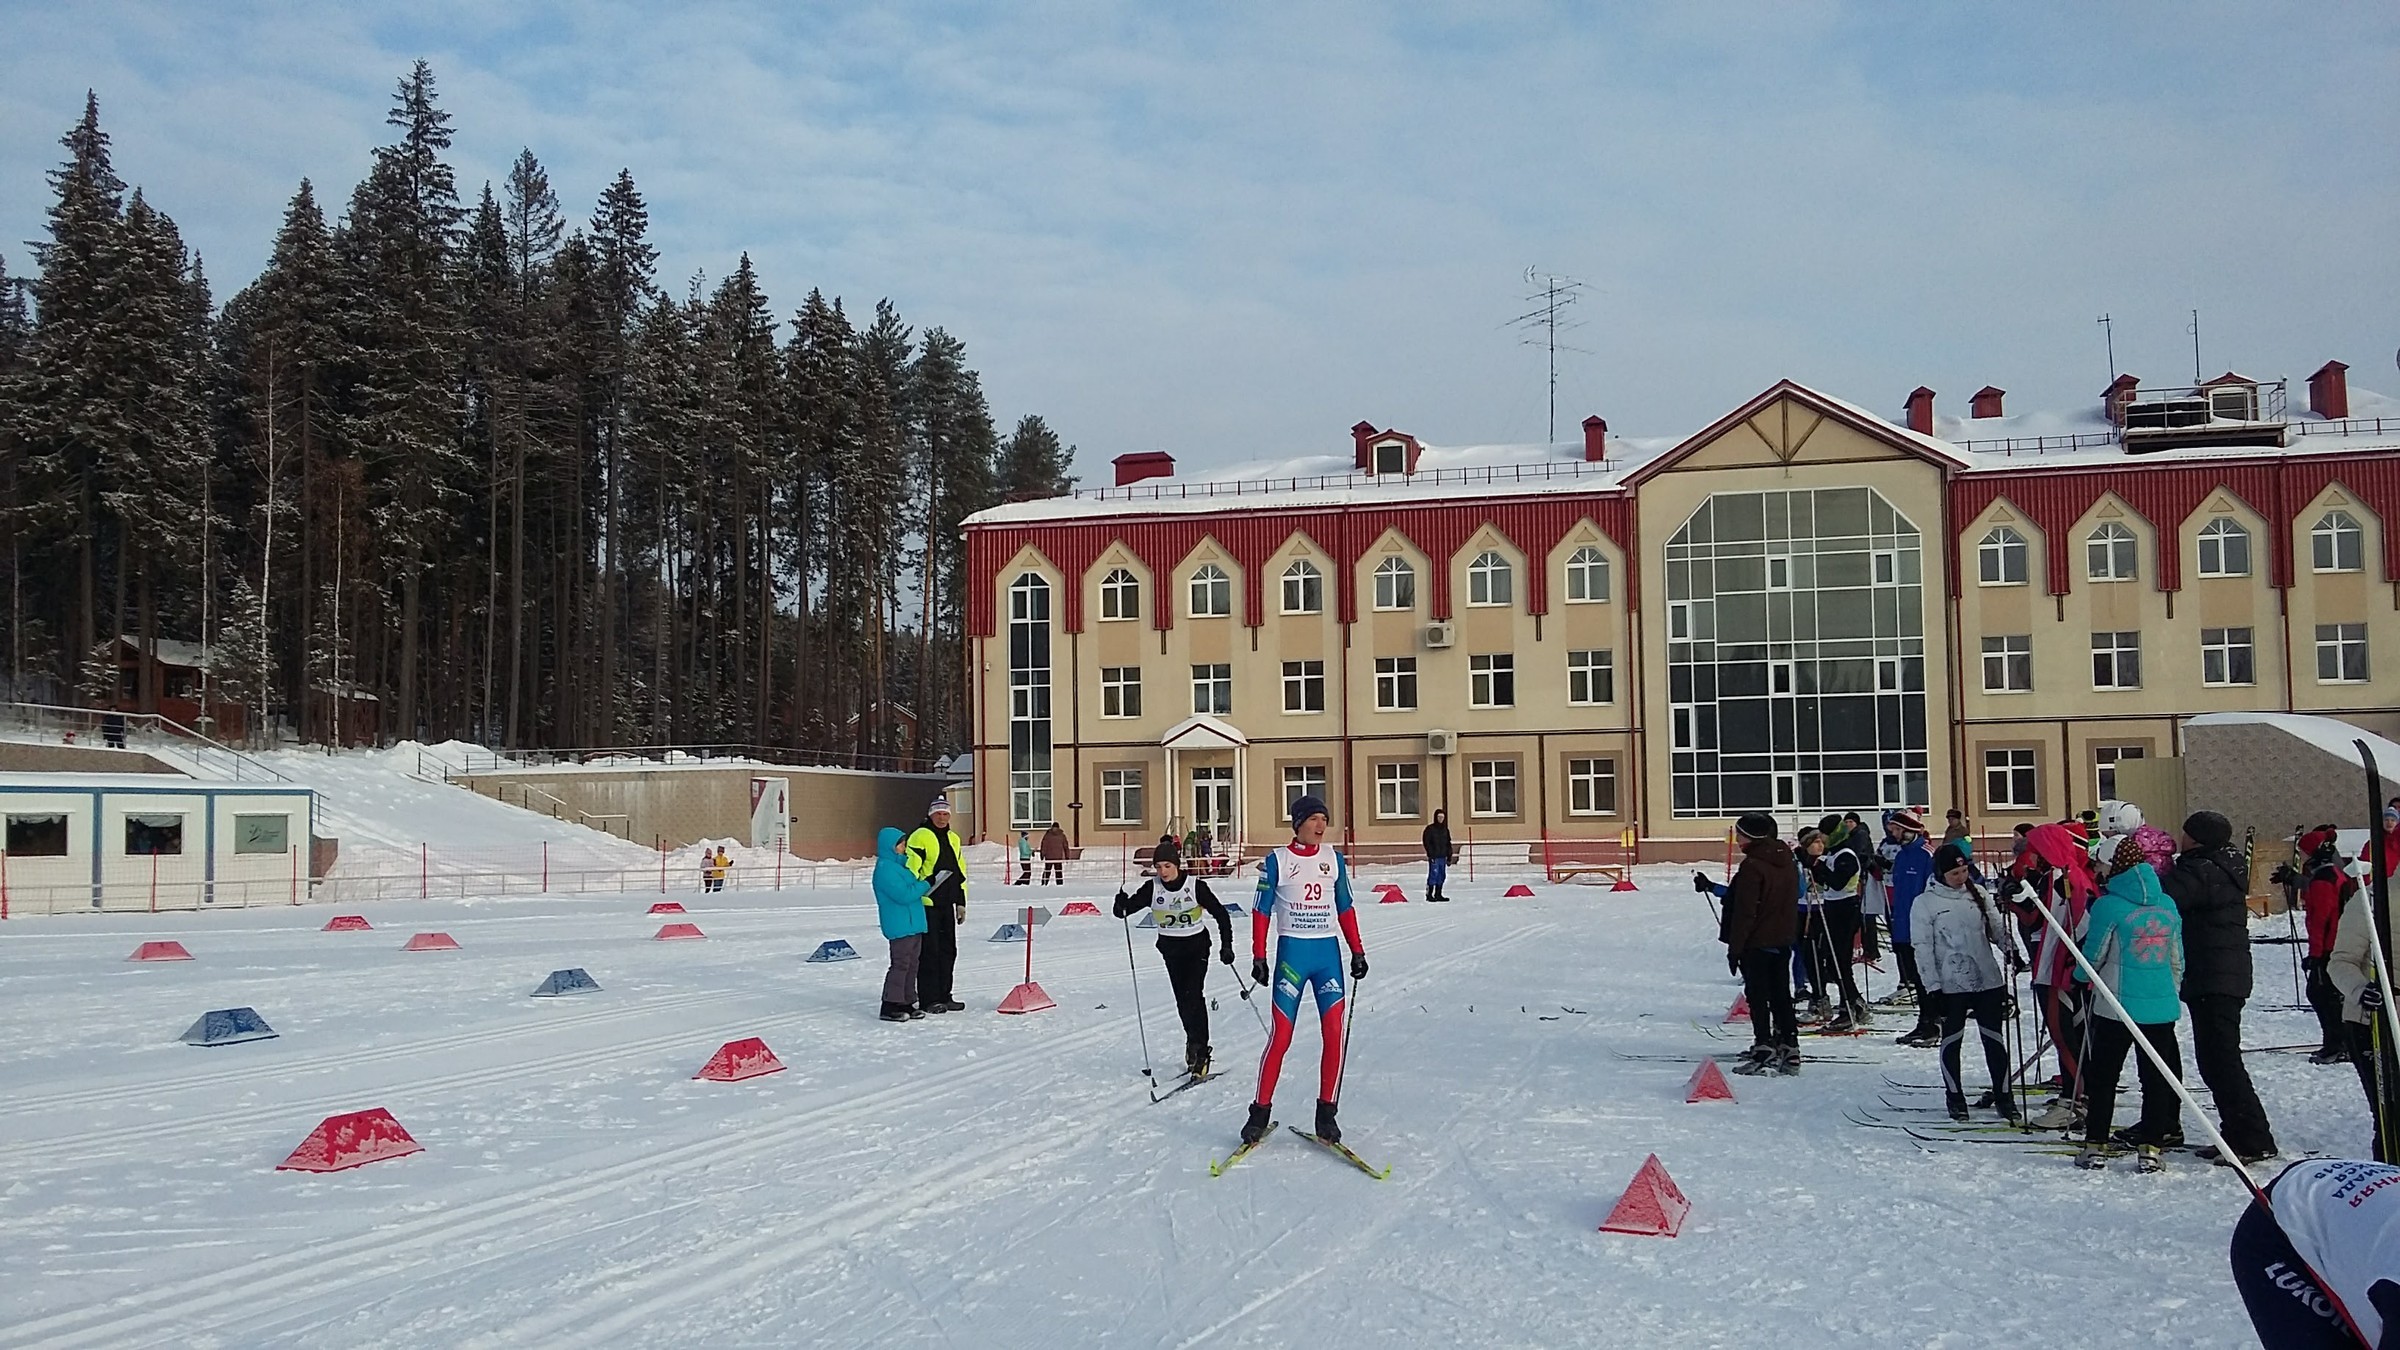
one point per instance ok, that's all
(1438, 854)
(1181, 904)
(2211, 889)
(1760, 923)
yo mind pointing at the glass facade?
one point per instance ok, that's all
(1029, 701)
(1796, 655)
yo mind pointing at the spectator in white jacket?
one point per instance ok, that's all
(2351, 967)
(1957, 931)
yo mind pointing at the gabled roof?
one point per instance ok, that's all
(1936, 452)
(1200, 731)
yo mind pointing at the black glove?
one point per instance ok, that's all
(2370, 999)
(1358, 965)
(1225, 954)
(1733, 962)
(1122, 908)
(1702, 884)
(2283, 875)
(1258, 970)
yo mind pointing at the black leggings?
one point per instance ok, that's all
(2162, 1110)
(1837, 929)
(1767, 984)
(1985, 1007)
(1187, 971)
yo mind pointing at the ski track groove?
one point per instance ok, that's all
(379, 1253)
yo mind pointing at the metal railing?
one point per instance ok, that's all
(154, 884)
(135, 730)
(1531, 471)
(2039, 445)
(474, 763)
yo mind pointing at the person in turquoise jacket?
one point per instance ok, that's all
(2134, 938)
(900, 908)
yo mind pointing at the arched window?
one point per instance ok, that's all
(2224, 549)
(1303, 588)
(1395, 584)
(2110, 553)
(1587, 576)
(2002, 557)
(1212, 592)
(2337, 543)
(1120, 595)
(1489, 580)
(1029, 782)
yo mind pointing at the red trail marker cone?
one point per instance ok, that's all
(1027, 997)
(1708, 1084)
(667, 907)
(1625, 883)
(669, 932)
(353, 1139)
(1651, 1205)
(431, 942)
(734, 1061)
(160, 951)
(347, 923)
(1520, 891)
(1740, 1011)
(1079, 909)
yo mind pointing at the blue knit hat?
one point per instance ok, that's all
(1305, 806)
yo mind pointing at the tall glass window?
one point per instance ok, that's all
(1029, 701)
(1796, 654)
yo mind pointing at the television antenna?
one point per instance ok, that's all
(1551, 297)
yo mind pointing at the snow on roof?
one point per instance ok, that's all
(2331, 735)
(2024, 441)
(146, 782)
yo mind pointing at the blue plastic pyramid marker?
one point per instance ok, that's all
(1149, 920)
(572, 981)
(834, 949)
(229, 1026)
(1010, 932)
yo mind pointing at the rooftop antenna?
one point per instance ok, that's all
(2108, 334)
(2194, 328)
(1550, 296)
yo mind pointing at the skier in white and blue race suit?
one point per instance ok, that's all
(1303, 895)
(2322, 1272)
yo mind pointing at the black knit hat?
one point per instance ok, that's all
(2208, 829)
(1756, 825)
(1947, 857)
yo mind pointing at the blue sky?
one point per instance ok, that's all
(1232, 230)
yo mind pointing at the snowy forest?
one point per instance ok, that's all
(455, 461)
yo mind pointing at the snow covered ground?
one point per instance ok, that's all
(978, 1180)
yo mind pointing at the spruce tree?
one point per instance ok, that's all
(1032, 462)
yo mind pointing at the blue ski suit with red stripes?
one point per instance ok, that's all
(1303, 896)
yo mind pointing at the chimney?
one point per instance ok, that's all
(1362, 454)
(1920, 410)
(2329, 391)
(1987, 401)
(1141, 464)
(2114, 398)
(1595, 439)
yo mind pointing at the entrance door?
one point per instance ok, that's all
(1212, 801)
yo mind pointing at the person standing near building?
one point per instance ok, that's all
(1437, 854)
(1955, 831)
(2211, 890)
(1861, 843)
(2351, 967)
(1759, 925)
(1182, 907)
(2325, 887)
(2135, 941)
(1911, 868)
(900, 910)
(1303, 897)
(1024, 857)
(934, 855)
(1835, 872)
(1958, 937)
(1055, 851)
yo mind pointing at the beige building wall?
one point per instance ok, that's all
(835, 813)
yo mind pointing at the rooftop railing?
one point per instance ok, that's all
(1529, 471)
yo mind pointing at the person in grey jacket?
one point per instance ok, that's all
(1957, 931)
(2351, 967)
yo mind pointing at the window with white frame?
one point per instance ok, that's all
(2008, 664)
(1587, 576)
(1303, 588)
(1120, 595)
(1395, 684)
(1304, 686)
(1492, 787)
(2227, 657)
(2000, 558)
(2105, 759)
(1395, 585)
(1212, 593)
(2341, 653)
(2117, 660)
(1591, 787)
(1398, 793)
(1591, 677)
(2010, 780)
(1120, 796)
(1492, 681)
(1391, 457)
(1302, 780)
(2336, 543)
(1212, 689)
(1490, 581)
(2224, 549)
(1029, 783)
(1120, 691)
(2111, 553)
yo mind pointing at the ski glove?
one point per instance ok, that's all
(1701, 884)
(1258, 970)
(1358, 965)
(1733, 962)
(1123, 908)
(2370, 999)
(1225, 954)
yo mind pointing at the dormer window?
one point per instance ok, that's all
(2233, 402)
(1391, 457)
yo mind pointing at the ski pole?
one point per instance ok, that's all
(1136, 977)
(1246, 987)
(1349, 1023)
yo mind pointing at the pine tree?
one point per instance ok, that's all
(620, 232)
(954, 441)
(1032, 462)
(16, 335)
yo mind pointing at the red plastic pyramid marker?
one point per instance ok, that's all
(160, 951)
(734, 1061)
(1520, 891)
(431, 942)
(667, 907)
(1625, 883)
(1382, 886)
(1393, 895)
(671, 931)
(1026, 998)
(353, 1139)
(347, 923)
(1079, 908)
(1740, 1011)
(1651, 1206)
(1708, 1084)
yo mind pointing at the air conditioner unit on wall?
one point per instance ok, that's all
(1441, 742)
(1440, 634)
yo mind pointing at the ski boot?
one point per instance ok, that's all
(1255, 1128)
(1328, 1128)
(2147, 1159)
(1787, 1061)
(893, 1012)
(2134, 1136)
(1759, 1058)
(1843, 1022)
(916, 1014)
(2093, 1158)
(1956, 1103)
(1195, 1060)
(2329, 1055)
(2063, 1114)
(2006, 1104)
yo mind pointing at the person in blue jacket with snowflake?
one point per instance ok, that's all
(1304, 896)
(1912, 867)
